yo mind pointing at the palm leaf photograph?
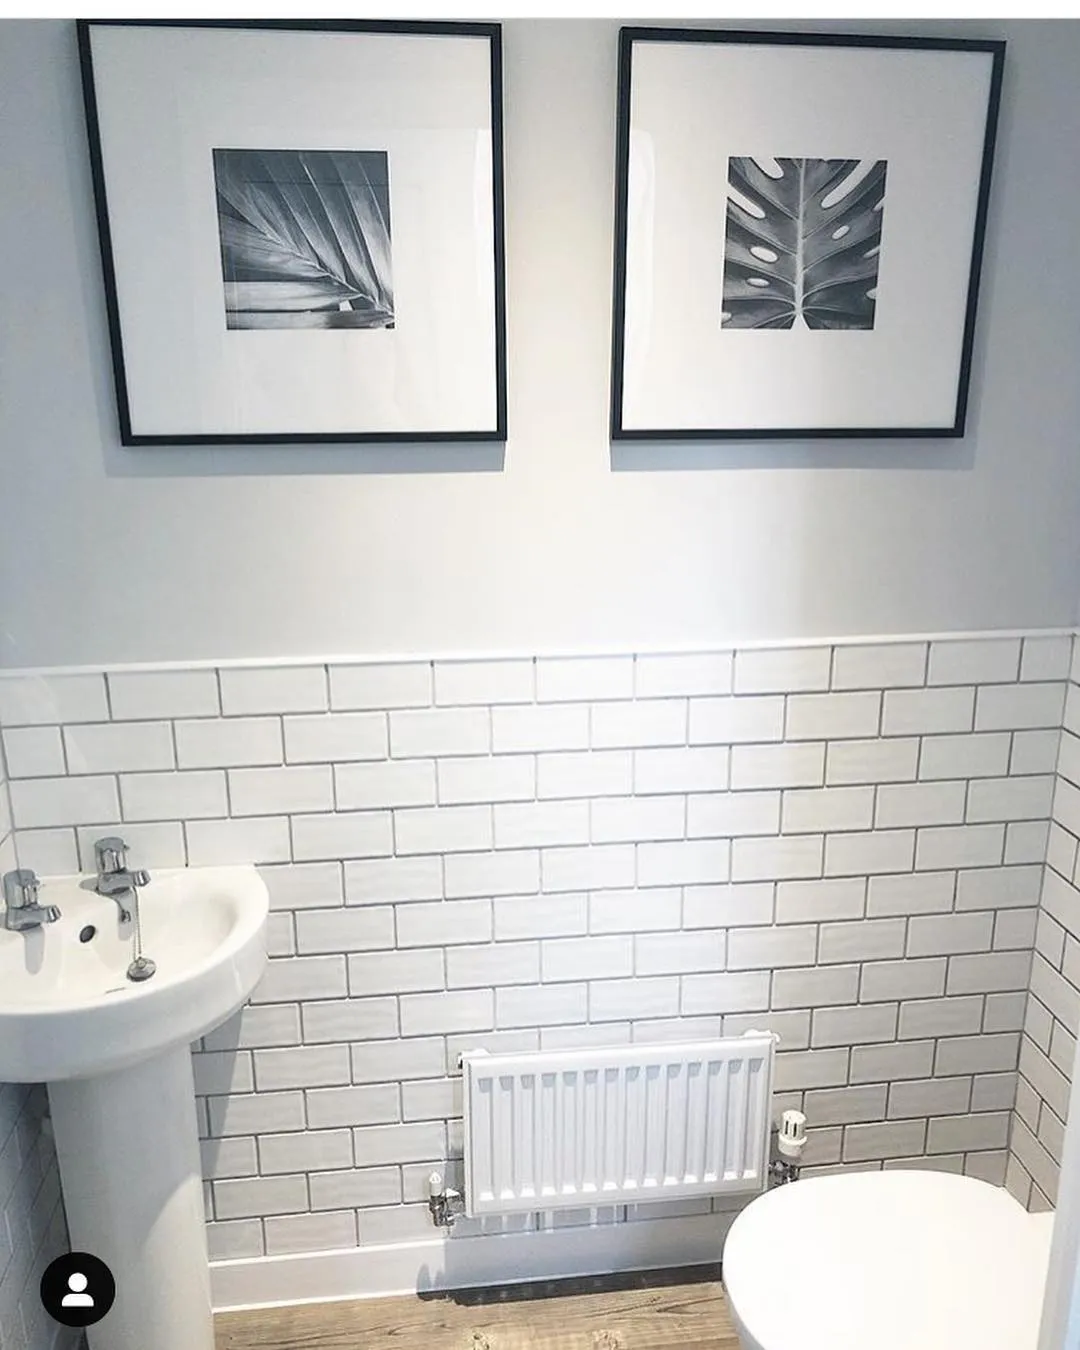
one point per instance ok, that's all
(305, 238)
(352, 186)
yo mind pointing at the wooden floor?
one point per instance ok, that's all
(666, 1311)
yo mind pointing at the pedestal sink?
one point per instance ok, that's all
(115, 1055)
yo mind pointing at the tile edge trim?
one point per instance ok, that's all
(521, 654)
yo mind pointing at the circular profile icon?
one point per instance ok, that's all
(78, 1289)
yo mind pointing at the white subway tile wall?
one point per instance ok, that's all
(843, 844)
(1052, 1012)
(33, 1231)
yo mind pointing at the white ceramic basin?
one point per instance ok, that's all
(67, 1008)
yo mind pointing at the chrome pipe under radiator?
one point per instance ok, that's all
(618, 1125)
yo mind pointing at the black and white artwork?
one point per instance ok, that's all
(803, 243)
(305, 238)
(763, 290)
(312, 253)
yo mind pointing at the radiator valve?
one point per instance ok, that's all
(446, 1204)
(790, 1142)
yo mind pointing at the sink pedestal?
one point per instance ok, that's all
(114, 1052)
(128, 1148)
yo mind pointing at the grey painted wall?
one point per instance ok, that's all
(182, 553)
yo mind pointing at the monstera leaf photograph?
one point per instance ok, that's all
(714, 244)
(305, 238)
(803, 242)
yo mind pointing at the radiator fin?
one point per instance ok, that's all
(613, 1126)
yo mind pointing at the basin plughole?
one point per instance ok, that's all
(115, 1055)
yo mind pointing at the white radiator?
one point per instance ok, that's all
(617, 1125)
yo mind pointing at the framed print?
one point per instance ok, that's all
(799, 230)
(301, 228)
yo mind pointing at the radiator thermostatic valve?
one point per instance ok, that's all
(791, 1137)
(446, 1205)
(790, 1142)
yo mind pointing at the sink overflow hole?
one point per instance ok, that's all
(87, 933)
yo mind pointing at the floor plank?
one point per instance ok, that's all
(667, 1317)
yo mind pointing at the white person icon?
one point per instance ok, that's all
(77, 1297)
(77, 1289)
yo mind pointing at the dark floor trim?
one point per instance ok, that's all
(617, 1282)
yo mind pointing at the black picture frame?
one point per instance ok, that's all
(631, 40)
(493, 428)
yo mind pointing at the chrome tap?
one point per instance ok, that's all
(21, 908)
(115, 879)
